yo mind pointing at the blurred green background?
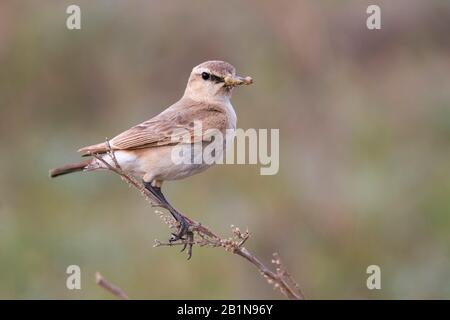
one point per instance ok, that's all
(364, 119)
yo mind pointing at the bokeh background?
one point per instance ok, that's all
(364, 119)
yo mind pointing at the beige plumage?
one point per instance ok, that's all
(145, 149)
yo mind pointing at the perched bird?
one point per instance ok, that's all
(145, 150)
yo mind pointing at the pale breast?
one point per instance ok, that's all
(231, 114)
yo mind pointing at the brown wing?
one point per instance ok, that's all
(165, 128)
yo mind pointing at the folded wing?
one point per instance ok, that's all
(168, 128)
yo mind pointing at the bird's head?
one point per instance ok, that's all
(213, 80)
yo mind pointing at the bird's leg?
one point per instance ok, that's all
(181, 219)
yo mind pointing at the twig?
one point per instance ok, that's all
(105, 284)
(280, 278)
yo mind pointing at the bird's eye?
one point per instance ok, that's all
(205, 75)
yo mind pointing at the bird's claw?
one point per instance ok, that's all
(182, 231)
(180, 235)
(189, 242)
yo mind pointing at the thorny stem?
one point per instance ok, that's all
(280, 278)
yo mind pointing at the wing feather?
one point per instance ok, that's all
(169, 126)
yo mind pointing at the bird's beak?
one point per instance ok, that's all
(233, 81)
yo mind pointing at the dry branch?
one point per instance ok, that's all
(105, 284)
(279, 278)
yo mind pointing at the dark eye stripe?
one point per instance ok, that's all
(212, 77)
(216, 78)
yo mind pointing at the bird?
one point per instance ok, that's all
(145, 150)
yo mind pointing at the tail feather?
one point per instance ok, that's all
(69, 168)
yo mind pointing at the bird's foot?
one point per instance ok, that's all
(185, 234)
(189, 242)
